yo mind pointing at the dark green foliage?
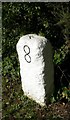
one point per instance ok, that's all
(51, 20)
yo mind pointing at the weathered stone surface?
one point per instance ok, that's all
(36, 67)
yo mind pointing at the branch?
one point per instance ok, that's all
(63, 73)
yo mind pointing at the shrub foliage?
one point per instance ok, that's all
(51, 20)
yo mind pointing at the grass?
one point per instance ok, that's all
(16, 105)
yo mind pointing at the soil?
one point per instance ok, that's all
(55, 111)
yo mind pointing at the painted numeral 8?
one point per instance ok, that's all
(27, 51)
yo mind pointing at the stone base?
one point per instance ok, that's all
(36, 67)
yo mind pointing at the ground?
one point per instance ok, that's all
(16, 106)
(56, 111)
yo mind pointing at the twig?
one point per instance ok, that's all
(63, 73)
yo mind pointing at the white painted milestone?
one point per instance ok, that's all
(36, 67)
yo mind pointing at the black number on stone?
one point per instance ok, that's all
(27, 53)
